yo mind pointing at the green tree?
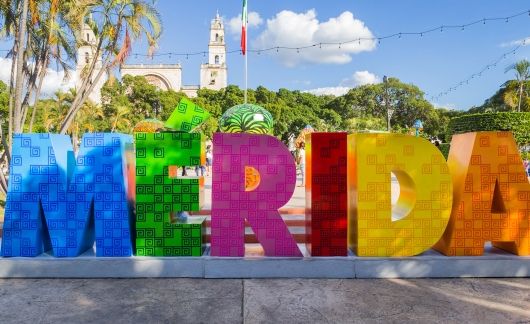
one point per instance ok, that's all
(522, 74)
(116, 24)
(369, 101)
(506, 99)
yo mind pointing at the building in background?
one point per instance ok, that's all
(85, 56)
(213, 75)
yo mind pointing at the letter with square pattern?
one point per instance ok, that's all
(326, 194)
(233, 201)
(187, 116)
(158, 195)
(492, 196)
(417, 221)
(54, 203)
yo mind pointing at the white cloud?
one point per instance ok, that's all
(522, 42)
(448, 106)
(53, 81)
(358, 78)
(234, 24)
(334, 91)
(291, 29)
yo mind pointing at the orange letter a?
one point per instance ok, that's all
(491, 196)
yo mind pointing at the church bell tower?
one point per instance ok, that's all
(214, 73)
(85, 56)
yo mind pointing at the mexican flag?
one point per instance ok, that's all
(244, 20)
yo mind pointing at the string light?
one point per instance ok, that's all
(477, 74)
(399, 35)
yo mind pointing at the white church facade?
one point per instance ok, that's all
(213, 75)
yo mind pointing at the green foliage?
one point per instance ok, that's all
(364, 124)
(369, 102)
(4, 101)
(518, 123)
(127, 101)
(506, 99)
(444, 148)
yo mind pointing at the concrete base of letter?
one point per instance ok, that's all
(494, 263)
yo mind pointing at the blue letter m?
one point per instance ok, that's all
(61, 203)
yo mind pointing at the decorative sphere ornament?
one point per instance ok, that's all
(246, 118)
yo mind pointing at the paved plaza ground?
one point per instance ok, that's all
(264, 300)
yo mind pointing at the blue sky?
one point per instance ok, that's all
(433, 62)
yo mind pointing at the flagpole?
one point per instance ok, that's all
(246, 54)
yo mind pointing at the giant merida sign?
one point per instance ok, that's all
(120, 193)
(64, 203)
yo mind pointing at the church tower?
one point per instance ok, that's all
(214, 73)
(85, 56)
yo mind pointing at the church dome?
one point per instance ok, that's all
(247, 118)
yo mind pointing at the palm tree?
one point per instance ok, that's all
(114, 22)
(53, 41)
(120, 119)
(522, 74)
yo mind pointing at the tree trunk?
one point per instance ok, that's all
(3, 181)
(7, 151)
(77, 104)
(19, 81)
(520, 96)
(11, 101)
(88, 84)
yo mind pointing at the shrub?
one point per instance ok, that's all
(516, 122)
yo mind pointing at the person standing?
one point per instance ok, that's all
(301, 163)
(209, 157)
(199, 170)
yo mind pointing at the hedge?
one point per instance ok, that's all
(516, 122)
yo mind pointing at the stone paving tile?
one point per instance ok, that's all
(384, 301)
(264, 301)
(120, 301)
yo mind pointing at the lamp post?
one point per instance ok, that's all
(156, 108)
(389, 110)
